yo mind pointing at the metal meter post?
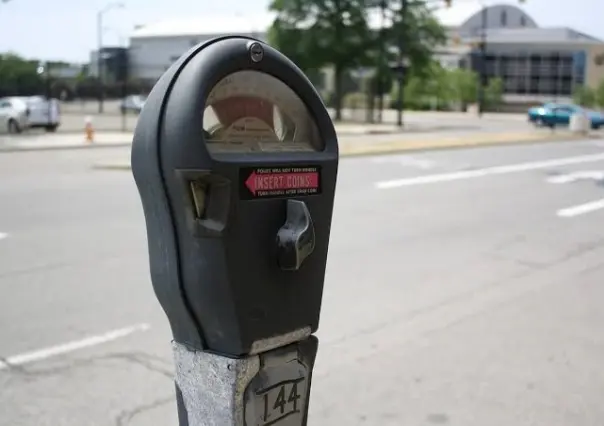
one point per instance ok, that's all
(235, 158)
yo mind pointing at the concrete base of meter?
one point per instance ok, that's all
(259, 390)
(579, 123)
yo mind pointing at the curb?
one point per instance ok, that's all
(415, 146)
(458, 143)
(112, 166)
(406, 130)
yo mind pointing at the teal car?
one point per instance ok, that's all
(553, 114)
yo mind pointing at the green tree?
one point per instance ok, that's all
(323, 33)
(411, 37)
(18, 76)
(494, 92)
(417, 33)
(415, 92)
(433, 84)
(284, 35)
(464, 85)
(438, 84)
(600, 94)
(584, 96)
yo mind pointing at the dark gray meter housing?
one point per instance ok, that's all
(235, 158)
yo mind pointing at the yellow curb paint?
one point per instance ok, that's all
(458, 142)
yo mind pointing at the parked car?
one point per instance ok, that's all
(13, 115)
(132, 103)
(552, 114)
(43, 113)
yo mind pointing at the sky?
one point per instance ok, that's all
(67, 29)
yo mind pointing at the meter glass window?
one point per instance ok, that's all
(254, 112)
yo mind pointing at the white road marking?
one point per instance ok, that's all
(65, 348)
(575, 176)
(490, 171)
(581, 209)
(405, 160)
(3, 235)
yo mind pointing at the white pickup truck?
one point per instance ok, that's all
(43, 113)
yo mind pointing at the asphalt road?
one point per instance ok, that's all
(463, 288)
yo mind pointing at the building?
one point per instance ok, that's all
(534, 63)
(115, 64)
(153, 48)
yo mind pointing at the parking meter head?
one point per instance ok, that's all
(235, 158)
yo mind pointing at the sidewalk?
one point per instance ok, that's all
(439, 141)
(43, 142)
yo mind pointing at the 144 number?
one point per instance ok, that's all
(281, 402)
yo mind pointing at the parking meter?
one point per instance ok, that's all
(235, 158)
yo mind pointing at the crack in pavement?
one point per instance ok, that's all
(126, 416)
(142, 359)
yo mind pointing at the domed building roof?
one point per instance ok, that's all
(458, 13)
(463, 18)
(504, 14)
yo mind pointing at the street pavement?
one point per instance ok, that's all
(463, 288)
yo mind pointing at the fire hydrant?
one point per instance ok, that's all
(89, 130)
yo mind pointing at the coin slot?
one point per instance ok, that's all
(200, 191)
(207, 201)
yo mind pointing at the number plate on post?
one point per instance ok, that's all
(277, 396)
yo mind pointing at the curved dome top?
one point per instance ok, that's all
(468, 15)
(458, 13)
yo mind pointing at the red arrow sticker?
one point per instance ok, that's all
(280, 182)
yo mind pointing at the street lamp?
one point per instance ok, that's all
(403, 60)
(99, 60)
(483, 56)
(482, 48)
(43, 71)
(402, 50)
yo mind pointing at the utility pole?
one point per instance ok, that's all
(100, 60)
(381, 61)
(402, 33)
(44, 72)
(483, 59)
